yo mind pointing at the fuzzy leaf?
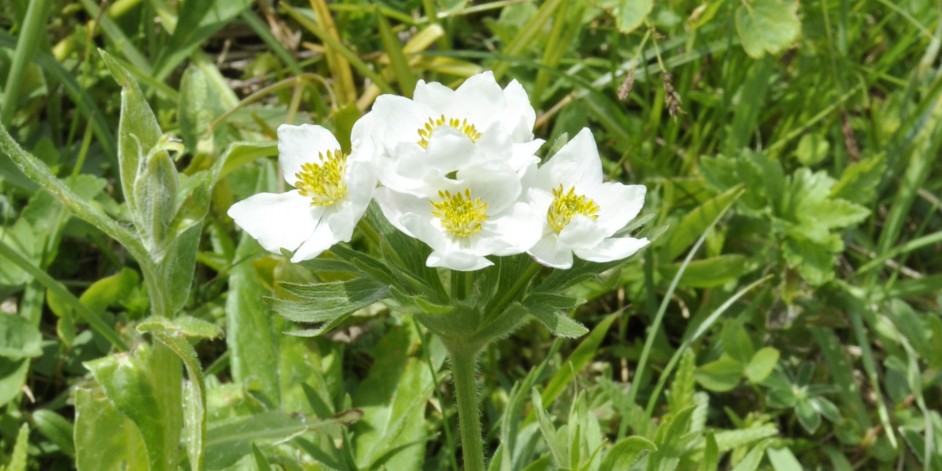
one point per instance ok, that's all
(767, 26)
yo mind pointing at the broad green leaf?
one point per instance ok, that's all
(815, 262)
(195, 110)
(133, 388)
(227, 444)
(721, 375)
(860, 180)
(629, 14)
(812, 149)
(18, 457)
(728, 439)
(767, 26)
(752, 459)
(105, 439)
(251, 335)
(626, 452)
(12, 378)
(761, 364)
(21, 236)
(808, 416)
(737, 343)
(56, 429)
(19, 338)
(181, 326)
(155, 193)
(324, 302)
(177, 268)
(579, 358)
(783, 459)
(194, 422)
(393, 397)
(138, 130)
(695, 222)
(710, 272)
(711, 454)
(110, 290)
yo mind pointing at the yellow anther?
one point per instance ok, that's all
(568, 204)
(323, 182)
(460, 214)
(462, 125)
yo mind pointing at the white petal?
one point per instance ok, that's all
(302, 144)
(457, 260)
(318, 242)
(434, 95)
(479, 99)
(495, 183)
(519, 229)
(448, 150)
(398, 119)
(548, 252)
(577, 163)
(615, 248)
(520, 116)
(524, 154)
(618, 204)
(361, 182)
(581, 232)
(277, 221)
(395, 206)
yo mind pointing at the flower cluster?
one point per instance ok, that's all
(455, 169)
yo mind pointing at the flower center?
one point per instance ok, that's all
(459, 213)
(323, 182)
(568, 204)
(462, 125)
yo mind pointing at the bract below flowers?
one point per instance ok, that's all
(581, 212)
(332, 192)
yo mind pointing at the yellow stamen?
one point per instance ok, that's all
(462, 125)
(323, 182)
(460, 215)
(568, 204)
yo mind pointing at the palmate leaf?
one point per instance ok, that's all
(767, 26)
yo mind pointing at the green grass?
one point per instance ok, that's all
(791, 306)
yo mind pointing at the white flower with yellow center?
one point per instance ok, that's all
(332, 192)
(474, 123)
(466, 218)
(580, 213)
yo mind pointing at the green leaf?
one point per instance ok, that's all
(261, 463)
(326, 302)
(711, 453)
(681, 393)
(671, 440)
(812, 149)
(808, 416)
(761, 364)
(18, 457)
(729, 439)
(579, 358)
(695, 223)
(129, 384)
(710, 272)
(194, 110)
(554, 440)
(19, 338)
(228, 443)
(752, 459)
(860, 180)
(555, 320)
(110, 290)
(767, 26)
(12, 378)
(105, 439)
(138, 130)
(783, 459)
(198, 21)
(625, 453)
(56, 429)
(155, 193)
(393, 397)
(737, 343)
(629, 14)
(181, 326)
(721, 375)
(815, 262)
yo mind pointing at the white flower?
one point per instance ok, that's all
(466, 218)
(332, 192)
(580, 213)
(475, 123)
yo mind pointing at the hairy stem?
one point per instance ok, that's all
(463, 359)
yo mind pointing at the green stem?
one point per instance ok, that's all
(33, 29)
(463, 359)
(38, 172)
